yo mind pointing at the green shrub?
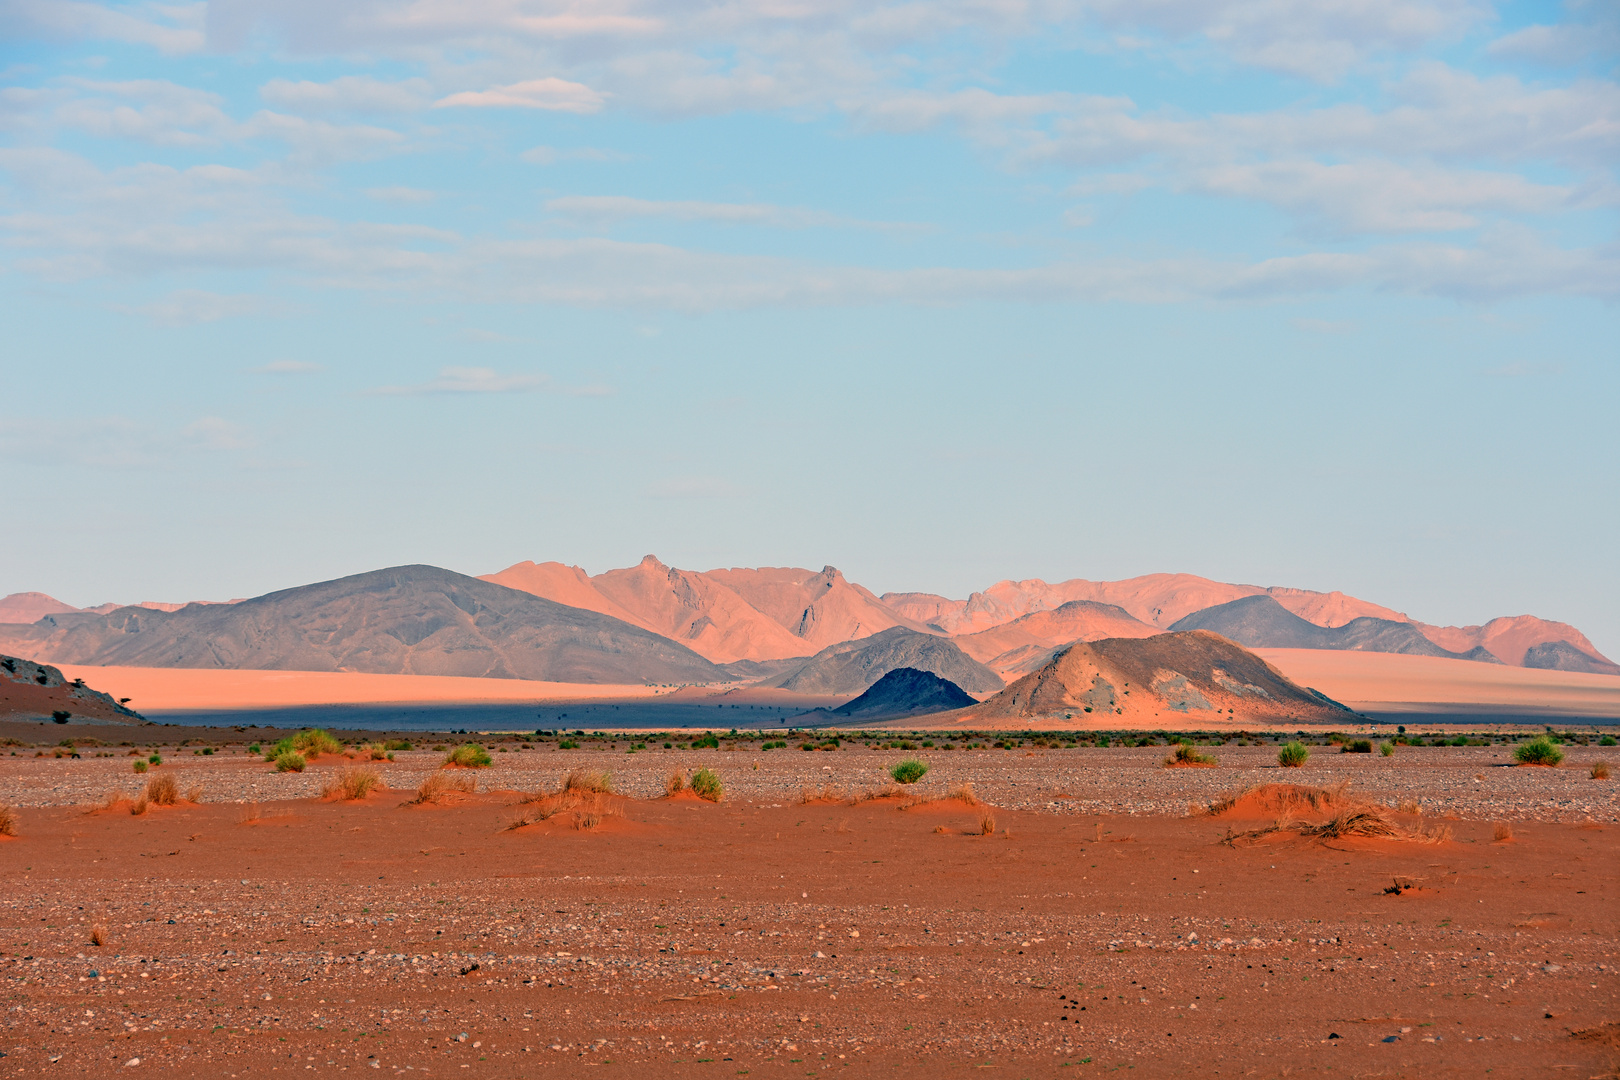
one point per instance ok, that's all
(1460, 740)
(468, 756)
(1293, 755)
(568, 744)
(279, 747)
(397, 744)
(1357, 746)
(908, 771)
(1538, 751)
(253, 748)
(1607, 740)
(314, 742)
(290, 761)
(156, 759)
(706, 742)
(706, 785)
(1187, 755)
(1387, 749)
(140, 765)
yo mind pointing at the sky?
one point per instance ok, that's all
(1317, 293)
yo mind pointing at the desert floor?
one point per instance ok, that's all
(1100, 927)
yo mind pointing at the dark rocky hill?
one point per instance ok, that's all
(906, 692)
(1259, 622)
(29, 690)
(851, 666)
(1562, 656)
(414, 620)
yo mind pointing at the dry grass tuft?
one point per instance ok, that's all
(8, 821)
(98, 934)
(249, 814)
(139, 806)
(352, 783)
(586, 820)
(987, 823)
(162, 790)
(1503, 833)
(589, 808)
(843, 826)
(940, 829)
(1409, 806)
(1600, 770)
(1285, 798)
(675, 783)
(1364, 821)
(825, 793)
(195, 794)
(439, 784)
(887, 791)
(1186, 756)
(584, 780)
(964, 794)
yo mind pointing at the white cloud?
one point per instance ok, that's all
(550, 155)
(557, 95)
(611, 208)
(470, 380)
(169, 28)
(189, 307)
(286, 367)
(350, 93)
(398, 194)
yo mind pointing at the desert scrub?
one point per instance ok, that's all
(155, 759)
(1538, 751)
(352, 783)
(597, 780)
(1600, 770)
(141, 766)
(706, 742)
(467, 756)
(290, 761)
(1387, 749)
(1607, 740)
(1293, 755)
(315, 742)
(162, 790)
(1357, 746)
(675, 783)
(908, 771)
(706, 785)
(437, 785)
(8, 821)
(1187, 756)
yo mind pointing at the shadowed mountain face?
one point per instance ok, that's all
(851, 666)
(416, 620)
(906, 692)
(28, 690)
(1165, 678)
(1259, 622)
(1562, 656)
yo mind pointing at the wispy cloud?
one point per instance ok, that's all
(188, 307)
(481, 380)
(556, 95)
(404, 195)
(550, 155)
(610, 208)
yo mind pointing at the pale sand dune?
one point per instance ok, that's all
(1389, 682)
(193, 688)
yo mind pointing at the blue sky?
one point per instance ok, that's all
(1274, 291)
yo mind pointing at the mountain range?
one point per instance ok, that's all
(799, 629)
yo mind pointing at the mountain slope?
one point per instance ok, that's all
(1260, 622)
(850, 667)
(1562, 656)
(418, 620)
(819, 608)
(1077, 620)
(29, 690)
(906, 692)
(1509, 639)
(697, 611)
(27, 607)
(1195, 674)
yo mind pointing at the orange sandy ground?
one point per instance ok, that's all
(682, 938)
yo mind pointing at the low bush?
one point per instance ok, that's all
(964, 794)
(1607, 740)
(1357, 746)
(155, 759)
(1293, 755)
(589, 780)
(8, 821)
(439, 784)
(1600, 770)
(908, 771)
(706, 742)
(253, 748)
(1538, 751)
(706, 785)
(141, 766)
(290, 761)
(161, 790)
(987, 823)
(467, 756)
(568, 744)
(1186, 756)
(1387, 749)
(397, 744)
(675, 783)
(352, 783)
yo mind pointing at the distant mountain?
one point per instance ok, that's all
(723, 615)
(30, 690)
(418, 620)
(1562, 656)
(906, 692)
(1510, 639)
(1259, 622)
(850, 667)
(1008, 646)
(1196, 675)
(27, 607)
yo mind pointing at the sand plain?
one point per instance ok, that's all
(1101, 927)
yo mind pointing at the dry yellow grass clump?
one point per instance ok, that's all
(1347, 816)
(987, 823)
(162, 790)
(587, 795)
(8, 821)
(964, 794)
(583, 780)
(440, 784)
(352, 783)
